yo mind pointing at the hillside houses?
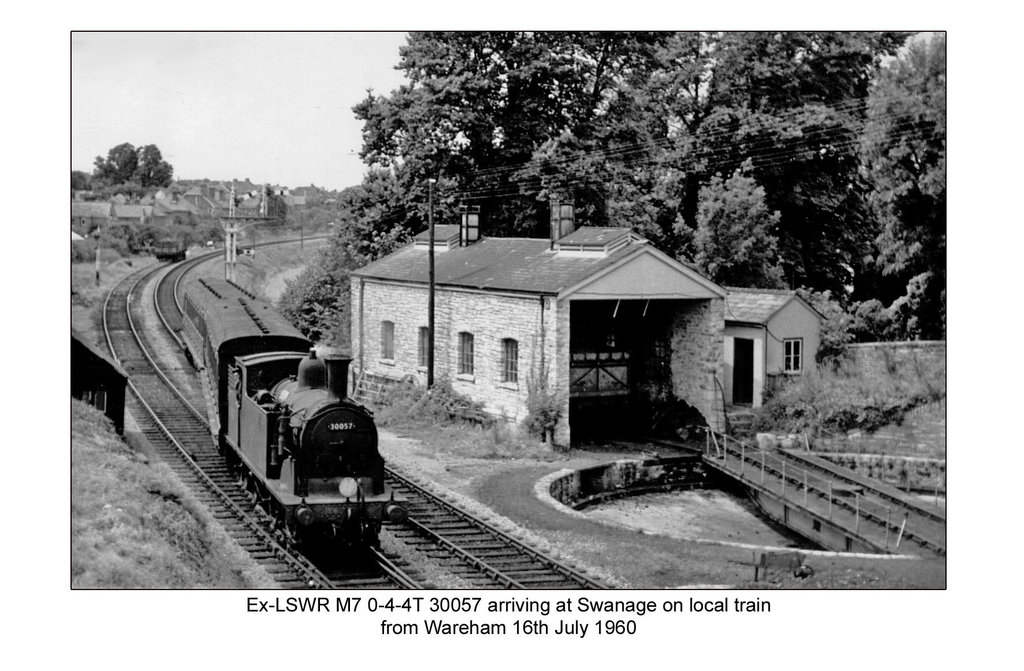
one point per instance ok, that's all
(187, 202)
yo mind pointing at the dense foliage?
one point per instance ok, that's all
(134, 170)
(835, 400)
(766, 159)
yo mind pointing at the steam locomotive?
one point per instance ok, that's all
(305, 452)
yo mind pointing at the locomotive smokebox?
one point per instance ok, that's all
(337, 376)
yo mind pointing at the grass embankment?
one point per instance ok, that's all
(265, 273)
(87, 296)
(133, 525)
(824, 401)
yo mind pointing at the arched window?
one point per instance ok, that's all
(510, 360)
(465, 353)
(387, 340)
(424, 343)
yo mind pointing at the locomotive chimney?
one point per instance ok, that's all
(337, 376)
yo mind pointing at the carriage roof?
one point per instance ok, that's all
(233, 314)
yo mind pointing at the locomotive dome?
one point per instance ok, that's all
(312, 373)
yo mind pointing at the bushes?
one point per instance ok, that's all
(840, 399)
(439, 405)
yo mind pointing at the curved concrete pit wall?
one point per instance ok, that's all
(585, 487)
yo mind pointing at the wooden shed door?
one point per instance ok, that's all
(743, 370)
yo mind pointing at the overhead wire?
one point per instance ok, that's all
(707, 136)
(717, 160)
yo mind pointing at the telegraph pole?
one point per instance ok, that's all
(430, 300)
(230, 238)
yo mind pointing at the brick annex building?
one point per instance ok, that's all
(606, 320)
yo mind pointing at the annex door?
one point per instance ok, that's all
(743, 371)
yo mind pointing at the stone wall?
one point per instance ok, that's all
(578, 489)
(697, 335)
(926, 358)
(907, 473)
(489, 316)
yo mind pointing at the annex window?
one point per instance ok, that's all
(387, 340)
(465, 353)
(794, 355)
(424, 343)
(509, 360)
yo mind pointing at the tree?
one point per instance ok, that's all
(143, 167)
(80, 181)
(120, 165)
(480, 106)
(734, 242)
(792, 104)
(318, 301)
(904, 153)
(152, 169)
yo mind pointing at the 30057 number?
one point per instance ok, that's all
(341, 426)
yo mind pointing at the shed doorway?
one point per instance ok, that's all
(743, 371)
(619, 366)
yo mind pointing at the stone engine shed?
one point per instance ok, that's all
(598, 316)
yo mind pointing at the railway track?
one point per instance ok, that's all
(470, 548)
(475, 550)
(180, 435)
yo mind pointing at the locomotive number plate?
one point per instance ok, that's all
(341, 426)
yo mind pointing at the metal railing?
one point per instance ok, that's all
(839, 502)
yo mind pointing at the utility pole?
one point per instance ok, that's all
(230, 238)
(430, 300)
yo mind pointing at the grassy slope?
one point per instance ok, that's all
(261, 274)
(134, 525)
(87, 297)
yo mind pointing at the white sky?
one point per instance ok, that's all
(270, 107)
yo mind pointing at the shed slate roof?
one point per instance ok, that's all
(526, 265)
(757, 306)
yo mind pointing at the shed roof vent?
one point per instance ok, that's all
(446, 236)
(594, 240)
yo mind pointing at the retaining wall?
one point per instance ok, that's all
(906, 473)
(584, 487)
(883, 360)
